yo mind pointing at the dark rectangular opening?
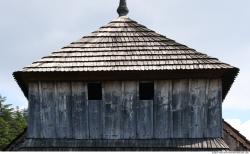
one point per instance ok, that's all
(94, 91)
(146, 90)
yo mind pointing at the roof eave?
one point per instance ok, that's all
(228, 79)
(21, 82)
(228, 76)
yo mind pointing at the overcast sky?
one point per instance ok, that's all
(31, 29)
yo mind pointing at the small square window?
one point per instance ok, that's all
(94, 91)
(146, 90)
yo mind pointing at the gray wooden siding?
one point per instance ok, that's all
(95, 119)
(63, 119)
(34, 118)
(214, 108)
(144, 119)
(181, 112)
(112, 109)
(47, 110)
(163, 115)
(80, 120)
(184, 108)
(128, 110)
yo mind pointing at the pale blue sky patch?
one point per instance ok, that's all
(31, 29)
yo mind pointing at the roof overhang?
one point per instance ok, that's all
(227, 75)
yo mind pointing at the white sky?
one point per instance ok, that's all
(31, 29)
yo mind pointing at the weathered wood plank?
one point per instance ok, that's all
(128, 114)
(144, 119)
(163, 122)
(80, 111)
(112, 109)
(181, 118)
(95, 119)
(63, 110)
(185, 108)
(47, 109)
(214, 113)
(34, 120)
(197, 101)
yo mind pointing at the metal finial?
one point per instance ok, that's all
(122, 9)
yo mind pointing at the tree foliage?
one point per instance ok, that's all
(12, 122)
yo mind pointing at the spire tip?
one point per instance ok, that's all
(123, 9)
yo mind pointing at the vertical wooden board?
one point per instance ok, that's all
(95, 119)
(112, 109)
(214, 113)
(197, 101)
(47, 109)
(128, 113)
(205, 112)
(79, 111)
(181, 117)
(34, 120)
(63, 110)
(163, 122)
(144, 119)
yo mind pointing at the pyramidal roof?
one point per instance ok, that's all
(124, 45)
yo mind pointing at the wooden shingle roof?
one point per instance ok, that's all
(236, 135)
(125, 49)
(189, 144)
(125, 45)
(22, 143)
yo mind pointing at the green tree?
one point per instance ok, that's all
(4, 133)
(12, 122)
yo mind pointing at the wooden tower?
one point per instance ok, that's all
(125, 87)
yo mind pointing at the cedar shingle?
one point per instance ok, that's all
(124, 45)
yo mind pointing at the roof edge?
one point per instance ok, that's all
(22, 84)
(245, 143)
(228, 76)
(228, 80)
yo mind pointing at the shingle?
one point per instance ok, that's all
(77, 145)
(124, 45)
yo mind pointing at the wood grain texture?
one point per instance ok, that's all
(128, 114)
(63, 110)
(163, 117)
(47, 110)
(80, 116)
(144, 119)
(112, 109)
(34, 119)
(184, 108)
(214, 113)
(197, 108)
(181, 117)
(95, 119)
